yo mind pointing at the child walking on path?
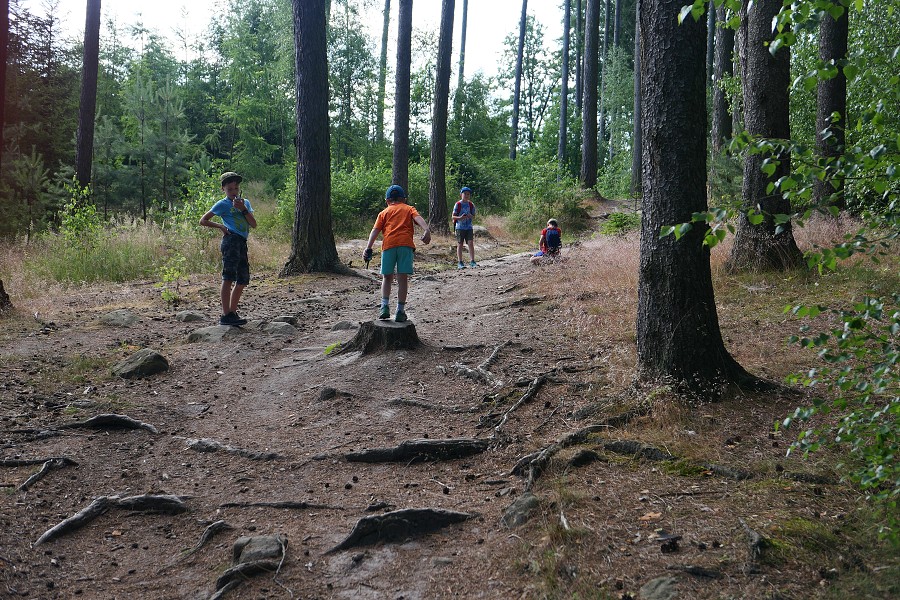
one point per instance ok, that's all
(237, 219)
(397, 248)
(463, 211)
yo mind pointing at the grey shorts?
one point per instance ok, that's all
(235, 264)
(464, 235)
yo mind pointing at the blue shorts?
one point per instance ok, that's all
(397, 260)
(235, 265)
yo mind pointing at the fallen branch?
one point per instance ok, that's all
(49, 465)
(398, 525)
(421, 449)
(208, 445)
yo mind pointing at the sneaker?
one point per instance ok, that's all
(400, 317)
(461, 266)
(232, 318)
(385, 313)
(473, 264)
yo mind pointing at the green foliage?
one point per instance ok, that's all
(543, 196)
(79, 223)
(620, 223)
(614, 178)
(170, 275)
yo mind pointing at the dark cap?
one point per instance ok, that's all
(466, 189)
(229, 177)
(394, 192)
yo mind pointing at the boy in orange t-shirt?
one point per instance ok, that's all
(397, 247)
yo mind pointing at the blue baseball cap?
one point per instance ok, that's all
(395, 191)
(466, 189)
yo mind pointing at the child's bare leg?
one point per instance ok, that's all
(386, 283)
(402, 287)
(472, 249)
(235, 297)
(225, 294)
(459, 246)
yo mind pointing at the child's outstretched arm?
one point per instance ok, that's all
(367, 253)
(426, 237)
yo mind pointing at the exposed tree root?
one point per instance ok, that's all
(429, 406)
(286, 504)
(482, 373)
(697, 571)
(146, 503)
(24, 462)
(536, 462)
(637, 449)
(421, 449)
(236, 575)
(535, 386)
(49, 465)
(208, 445)
(110, 421)
(756, 546)
(207, 535)
(399, 525)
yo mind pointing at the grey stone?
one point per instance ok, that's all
(286, 319)
(257, 547)
(343, 325)
(142, 363)
(189, 316)
(520, 511)
(428, 278)
(119, 318)
(661, 588)
(482, 232)
(215, 333)
(279, 328)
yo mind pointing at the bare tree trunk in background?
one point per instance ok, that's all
(382, 74)
(617, 24)
(437, 180)
(710, 41)
(514, 139)
(4, 58)
(604, 55)
(401, 95)
(678, 336)
(84, 145)
(579, 56)
(564, 90)
(461, 79)
(765, 81)
(589, 104)
(312, 239)
(723, 65)
(637, 143)
(831, 98)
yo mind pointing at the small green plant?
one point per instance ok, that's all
(332, 347)
(620, 223)
(170, 275)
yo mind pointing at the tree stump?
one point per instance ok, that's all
(374, 336)
(5, 302)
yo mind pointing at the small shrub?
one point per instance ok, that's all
(620, 223)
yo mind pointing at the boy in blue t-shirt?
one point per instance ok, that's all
(237, 219)
(463, 211)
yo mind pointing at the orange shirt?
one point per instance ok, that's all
(396, 224)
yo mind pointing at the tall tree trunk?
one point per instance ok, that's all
(514, 138)
(678, 336)
(604, 55)
(461, 79)
(589, 103)
(765, 80)
(84, 145)
(401, 95)
(617, 24)
(579, 56)
(564, 89)
(710, 41)
(831, 97)
(382, 73)
(4, 55)
(636, 143)
(723, 65)
(437, 180)
(312, 239)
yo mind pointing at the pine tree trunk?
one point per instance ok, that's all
(589, 104)
(710, 41)
(514, 138)
(382, 74)
(831, 97)
(84, 146)
(401, 95)
(5, 302)
(564, 90)
(723, 65)
(766, 81)
(579, 56)
(678, 335)
(604, 55)
(460, 78)
(4, 51)
(437, 180)
(312, 239)
(637, 140)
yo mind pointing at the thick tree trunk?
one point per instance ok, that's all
(604, 55)
(84, 146)
(382, 73)
(4, 54)
(312, 239)
(678, 335)
(514, 138)
(637, 140)
(765, 79)
(723, 65)
(460, 78)
(579, 56)
(401, 95)
(5, 302)
(564, 90)
(589, 103)
(437, 181)
(831, 99)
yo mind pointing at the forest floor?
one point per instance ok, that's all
(752, 522)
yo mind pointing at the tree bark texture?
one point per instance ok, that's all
(589, 103)
(638, 139)
(517, 92)
(437, 180)
(678, 335)
(401, 95)
(723, 65)
(84, 145)
(564, 89)
(831, 98)
(4, 58)
(579, 56)
(460, 78)
(604, 55)
(765, 80)
(710, 41)
(382, 73)
(312, 239)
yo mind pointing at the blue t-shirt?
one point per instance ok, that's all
(463, 208)
(232, 217)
